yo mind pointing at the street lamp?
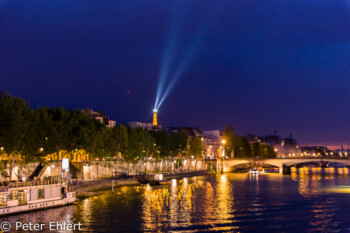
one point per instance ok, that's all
(202, 147)
(223, 148)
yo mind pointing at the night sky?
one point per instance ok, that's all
(258, 65)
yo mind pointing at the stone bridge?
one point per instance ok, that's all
(282, 164)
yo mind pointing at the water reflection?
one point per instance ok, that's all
(224, 200)
(229, 202)
(320, 170)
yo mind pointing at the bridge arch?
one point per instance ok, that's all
(282, 163)
(232, 165)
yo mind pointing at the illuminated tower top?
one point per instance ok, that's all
(155, 121)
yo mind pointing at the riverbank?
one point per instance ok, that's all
(89, 188)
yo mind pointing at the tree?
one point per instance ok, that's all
(46, 134)
(16, 132)
(118, 140)
(170, 144)
(267, 151)
(231, 140)
(245, 150)
(196, 147)
(94, 138)
(59, 124)
(255, 149)
(262, 150)
(140, 145)
(182, 141)
(163, 146)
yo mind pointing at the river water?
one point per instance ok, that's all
(222, 203)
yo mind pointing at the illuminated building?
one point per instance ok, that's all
(149, 126)
(287, 146)
(212, 143)
(155, 121)
(138, 124)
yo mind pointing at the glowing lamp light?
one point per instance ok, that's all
(155, 110)
(223, 141)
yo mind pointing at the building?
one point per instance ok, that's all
(111, 124)
(212, 144)
(191, 131)
(313, 151)
(138, 124)
(154, 126)
(100, 116)
(290, 147)
(341, 152)
(252, 138)
(286, 147)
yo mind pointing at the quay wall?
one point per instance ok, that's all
(107, 169)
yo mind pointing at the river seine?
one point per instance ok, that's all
(214, 203)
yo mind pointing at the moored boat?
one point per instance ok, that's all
(156, 179)
(256, 171)
(34, 195)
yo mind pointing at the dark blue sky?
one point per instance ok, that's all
(258, 65)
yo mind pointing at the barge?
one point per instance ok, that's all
(34, 195)
(156, 179)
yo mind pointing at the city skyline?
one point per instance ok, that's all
(175, 116)
(256, 66)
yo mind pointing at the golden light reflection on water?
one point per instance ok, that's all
(320, 170)
(175, 204)
(224, 200)
(311, 184)
(172, 204)
(85, 206)
(152, 207)
(221, 203)
(208, 207)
